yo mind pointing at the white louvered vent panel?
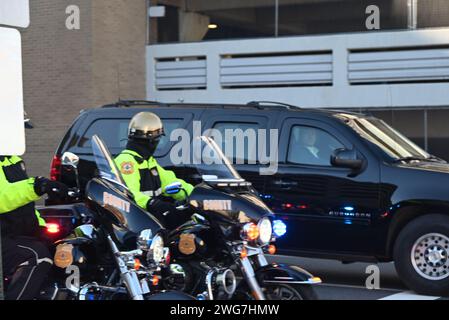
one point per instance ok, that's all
(181, 73)
(414, 65)
(272, 70)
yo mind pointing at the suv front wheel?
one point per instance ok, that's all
(421, 255)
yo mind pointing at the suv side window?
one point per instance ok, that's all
(311, 146)
(242, 149)
(114, 133)
(111, 131)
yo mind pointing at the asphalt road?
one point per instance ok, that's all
(347, 281)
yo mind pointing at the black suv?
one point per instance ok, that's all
(348, 186)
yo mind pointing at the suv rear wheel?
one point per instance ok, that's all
(421, 255)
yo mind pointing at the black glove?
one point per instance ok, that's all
(54, 189)
(160, 207)
(166, 213)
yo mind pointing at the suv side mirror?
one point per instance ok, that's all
(70, 160)
(345, 158)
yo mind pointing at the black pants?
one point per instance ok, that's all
(26, 263)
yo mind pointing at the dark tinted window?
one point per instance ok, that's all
(240, 139)
(438, 133)
(114, 133)
(310, 145)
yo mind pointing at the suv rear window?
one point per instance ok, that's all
(114, 133)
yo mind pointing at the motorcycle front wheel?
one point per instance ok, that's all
(289, 292)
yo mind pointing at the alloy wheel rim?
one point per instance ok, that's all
(430, 256)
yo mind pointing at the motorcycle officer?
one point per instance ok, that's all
(25, 256)
(144, 176)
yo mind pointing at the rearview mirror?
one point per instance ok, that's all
(86, 230)
(144, 239)
(70, 159)
(345, 158)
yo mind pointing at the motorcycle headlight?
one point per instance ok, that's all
(156, 252)
(265, 231)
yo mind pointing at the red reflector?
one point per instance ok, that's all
(53, 228)
(55, 169)
(167, 259)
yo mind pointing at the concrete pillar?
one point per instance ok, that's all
(118, 43)
(192, 26)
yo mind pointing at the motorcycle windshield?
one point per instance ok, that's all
(105, 163)
(211, 163)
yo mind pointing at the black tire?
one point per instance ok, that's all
(301, 291)
(417, 236)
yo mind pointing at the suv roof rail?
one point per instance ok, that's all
(262, 104)
(130, 103)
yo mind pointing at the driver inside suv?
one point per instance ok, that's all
(312, 146)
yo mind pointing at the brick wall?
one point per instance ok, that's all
(65, 71)
(119, 50)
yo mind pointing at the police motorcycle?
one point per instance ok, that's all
(220, 252)
(117, 250)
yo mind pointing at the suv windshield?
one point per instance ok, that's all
(105, 164)
(211, 163)
(385, 137)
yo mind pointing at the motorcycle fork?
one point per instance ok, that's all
(249, 274)
(129, 278)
